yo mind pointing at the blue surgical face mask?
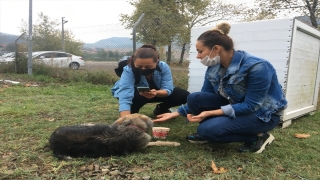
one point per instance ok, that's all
(207, 61)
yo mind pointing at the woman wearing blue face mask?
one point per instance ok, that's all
(145, 70)
(241, 98)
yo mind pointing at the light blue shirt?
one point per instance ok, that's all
(124, 88)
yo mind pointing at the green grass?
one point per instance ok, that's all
(30, 114)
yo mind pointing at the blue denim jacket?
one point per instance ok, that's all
(250, 84)
(124, 88)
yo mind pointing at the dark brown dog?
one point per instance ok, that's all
(125, 135)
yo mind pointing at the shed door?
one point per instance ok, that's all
(302, 87)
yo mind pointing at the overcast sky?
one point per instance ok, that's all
(89, 20)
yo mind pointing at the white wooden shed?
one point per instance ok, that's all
(291, 46)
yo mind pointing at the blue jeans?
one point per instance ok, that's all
(224, 129)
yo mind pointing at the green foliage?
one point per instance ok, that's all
(169, 23)
(10, 47)
(273, 8)
(47, 36)
(7, 67)
(19, 65)
(65, 75)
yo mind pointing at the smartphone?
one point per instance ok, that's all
(143, 89)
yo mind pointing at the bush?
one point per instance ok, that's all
(19, 65)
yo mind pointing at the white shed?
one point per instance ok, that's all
(291, 46)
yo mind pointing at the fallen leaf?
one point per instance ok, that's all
(90, 167)
(5, 86)
(213, 166)
(82, 168)
(281, 168)
(1, 101)
(240, 169)
(51, 120)
(301, 136)
(27, 85)
(217, 170)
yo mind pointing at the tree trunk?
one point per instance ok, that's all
(169, 54)
(183, 50)
(312, 11)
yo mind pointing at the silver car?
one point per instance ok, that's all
(8, 57)
(58, 59)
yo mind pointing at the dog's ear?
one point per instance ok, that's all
(126, 120)
(118, 121)
(136, 119)
(149, 123)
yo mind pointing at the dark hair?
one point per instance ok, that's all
(217, 36)
(145, 51)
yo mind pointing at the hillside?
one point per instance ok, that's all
(113, 42)
(7, 38)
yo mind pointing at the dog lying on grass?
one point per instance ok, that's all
(124, 136)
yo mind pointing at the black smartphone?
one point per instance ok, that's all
(143, 89)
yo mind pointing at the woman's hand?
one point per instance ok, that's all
(197, 118)
(151, 94)
(166, 117)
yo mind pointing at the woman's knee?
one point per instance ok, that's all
(194, 98)
(180, 94)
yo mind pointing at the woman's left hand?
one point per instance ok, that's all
(197, 118)
(151, 94)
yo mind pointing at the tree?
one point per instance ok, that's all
(273, 8)
(10, 47)
(170, 21)
(202, 13)
(47, 36)
(160, 24)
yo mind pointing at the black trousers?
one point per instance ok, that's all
(176, 98)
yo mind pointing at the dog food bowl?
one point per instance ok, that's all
(160, 132)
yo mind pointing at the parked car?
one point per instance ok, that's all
(124, 58)
(58, 59)
(4, 52)
(8, 57)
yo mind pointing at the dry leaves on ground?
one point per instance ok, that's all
(51, 119)
(301, 136)
(217, 170)
(281, 168)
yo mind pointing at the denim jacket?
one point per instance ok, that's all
(124, 88)
(250, 84)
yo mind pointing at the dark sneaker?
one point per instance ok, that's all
(157, 111)
(195, 138)
(258, 146)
